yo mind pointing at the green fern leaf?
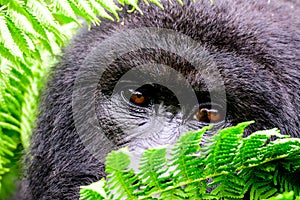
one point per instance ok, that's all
(110, 6)
(97, 8)
(93, 191)
(285, 196)
(185, 174)
(176, 194)
(223, 150)
(21, 21)
(5, 53)
(229, 186)
(121, 179)
(83, 8)
(29, 19)
(18, 37)
(133, 3)
(7, 39)
(7, 147)
(153, 171)
(157, 2)
(253, 147)
(45, 17)
(64, 8)
(184, 158)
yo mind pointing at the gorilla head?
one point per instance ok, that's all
(145, 80)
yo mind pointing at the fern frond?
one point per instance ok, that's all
(157, 2)
(27, 22)
(63, 7)
(192, 173)
(7, 145)
(5, 53)
(83, 8)
(110, 6)
(133, 3)
(18, 37)
(93, 191)
(7, 39)
(187, 164)
(97, 8)
(121, 179)
(45, 18)
(285, 196)
(222, 151)
(153, 171)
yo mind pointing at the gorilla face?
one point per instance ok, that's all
(154, 96)
(145, 80)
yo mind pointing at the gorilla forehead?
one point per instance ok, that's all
(257, 55)
(266, 39)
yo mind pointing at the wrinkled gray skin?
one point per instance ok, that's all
(253, 45)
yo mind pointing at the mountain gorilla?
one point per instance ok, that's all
(146, 79)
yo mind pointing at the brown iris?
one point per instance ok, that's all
(137, 99)
(208, 115)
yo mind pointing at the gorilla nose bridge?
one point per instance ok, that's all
(169, 112)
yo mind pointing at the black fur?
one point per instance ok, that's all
(255, 44)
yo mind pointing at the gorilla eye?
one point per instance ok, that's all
(208, 115)
(138, 98)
